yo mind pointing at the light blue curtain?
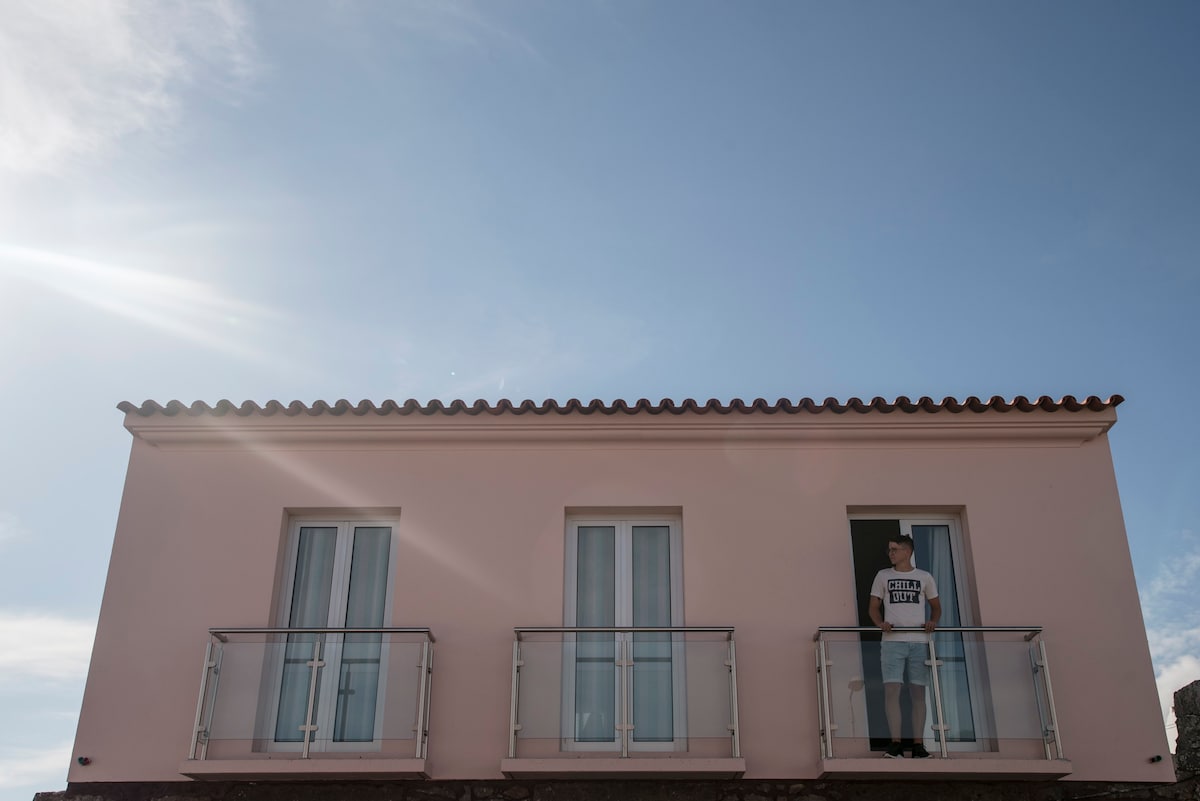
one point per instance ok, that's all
(932, 548)
(595, 663)
(358, 676)
(653, 700)
(310, 609)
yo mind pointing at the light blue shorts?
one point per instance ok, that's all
(894, 656)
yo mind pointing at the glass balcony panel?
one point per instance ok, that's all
(855, 695)
(1012, 709)
(676, 691)
(707, 691)
(592, 659)
(243, 717)
(542, 711)
(654, 662)
(295, 680)
(367, 692)
(993, 696)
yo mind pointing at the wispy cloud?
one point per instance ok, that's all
(192, 310)
(459, 24)
(1173, 623)
(1171, 676)
(40, 768)
(491, 352)
(75, 78)
(11, 529)
(43, 647)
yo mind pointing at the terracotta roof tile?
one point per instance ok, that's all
(642, 406)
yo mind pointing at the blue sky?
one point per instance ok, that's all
(323, 200)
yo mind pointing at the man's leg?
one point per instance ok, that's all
(891, 693)
(891, 661)
(918, 677)
(916, 694)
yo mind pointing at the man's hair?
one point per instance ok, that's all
(901, 539)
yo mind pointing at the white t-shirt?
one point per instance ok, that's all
(904, 595)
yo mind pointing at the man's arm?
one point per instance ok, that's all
(935, 613)
(875, 611)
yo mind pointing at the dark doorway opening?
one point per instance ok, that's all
(869, 542)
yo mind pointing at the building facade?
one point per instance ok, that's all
(593, 591)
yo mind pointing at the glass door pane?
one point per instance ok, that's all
(653, 700)
(595, 654)
(359, 666)
(311, 589)
(933, 552)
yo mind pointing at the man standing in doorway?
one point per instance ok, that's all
(898, 597)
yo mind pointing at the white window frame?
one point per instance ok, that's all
(331, 652)
(624, 525)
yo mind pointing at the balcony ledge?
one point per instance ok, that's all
(303, 769)
(955, 767)
(625, 768)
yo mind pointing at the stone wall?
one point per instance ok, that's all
(1187, 788)
(1187, 719)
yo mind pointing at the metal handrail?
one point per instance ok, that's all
(218, 632)
(1031, 631)
(726, 630)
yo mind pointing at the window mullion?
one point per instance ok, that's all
(624, 589)
(341, 575)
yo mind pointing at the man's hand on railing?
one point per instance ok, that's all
(930, 625)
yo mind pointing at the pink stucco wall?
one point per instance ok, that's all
(481, 505)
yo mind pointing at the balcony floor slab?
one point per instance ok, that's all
(955, 767)
(625, 768)
(296, 769)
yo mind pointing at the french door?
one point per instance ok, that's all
(937, 548)
(623, 573)
(339, 576)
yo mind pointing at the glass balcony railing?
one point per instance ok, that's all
(988, 695)
(623, 692)
(314, 693)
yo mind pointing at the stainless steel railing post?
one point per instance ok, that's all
(820, 697)
(823, 689)
(624, 665)
(1045, 665)
(218, 656)
(309, 727)
(513, 699)
(934, 664)
(1039, 695)
(199, 724)
(426, 679)
(736, 745)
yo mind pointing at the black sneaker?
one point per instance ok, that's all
(919, 752)
(895, 751)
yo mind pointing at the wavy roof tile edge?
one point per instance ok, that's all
(411, 406)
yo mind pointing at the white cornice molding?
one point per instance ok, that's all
(1057, 428)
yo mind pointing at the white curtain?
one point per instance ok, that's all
(309, 609)
(644, 599)
(653, 699)
(358, 676)
(933, 553)
(595, 663)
